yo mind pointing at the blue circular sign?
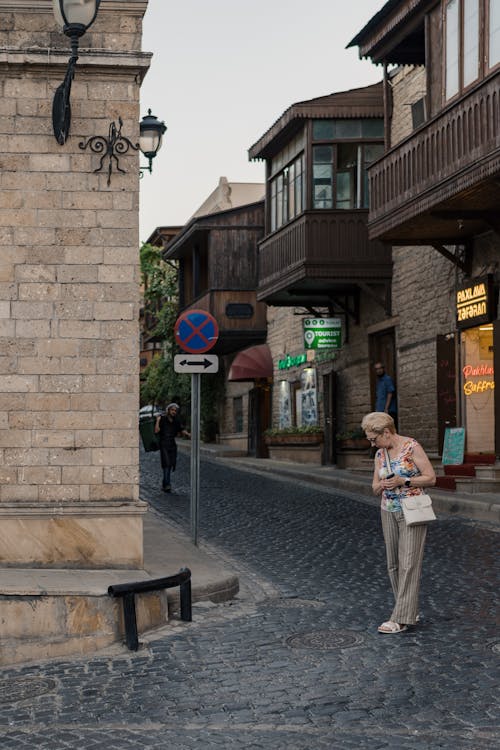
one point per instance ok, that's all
(196, 331)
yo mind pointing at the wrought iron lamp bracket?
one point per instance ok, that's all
(112, 147)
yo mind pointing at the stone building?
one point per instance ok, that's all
(69, 294)
(434, 199)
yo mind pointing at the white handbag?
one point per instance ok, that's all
(417, 509)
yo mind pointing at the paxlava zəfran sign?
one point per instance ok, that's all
(322, 333)
(475, 303)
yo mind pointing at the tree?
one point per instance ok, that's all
(159, 383)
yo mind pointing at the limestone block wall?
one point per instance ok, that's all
(408, 85)
(69, 288)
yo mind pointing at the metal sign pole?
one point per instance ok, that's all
(195, 455)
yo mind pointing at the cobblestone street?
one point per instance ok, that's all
(295, 661)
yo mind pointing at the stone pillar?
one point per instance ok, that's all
(69, 293)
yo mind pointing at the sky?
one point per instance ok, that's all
(222, 73)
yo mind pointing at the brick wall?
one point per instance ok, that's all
(69, 274)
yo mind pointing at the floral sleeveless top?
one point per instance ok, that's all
(403, 465)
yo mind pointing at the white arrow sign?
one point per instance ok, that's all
(196, 363)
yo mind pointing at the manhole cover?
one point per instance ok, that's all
(12, 691)
(325, 640)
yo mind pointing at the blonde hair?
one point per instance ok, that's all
(378, 421)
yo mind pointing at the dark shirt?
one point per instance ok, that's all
(385, 385)
(169, 429)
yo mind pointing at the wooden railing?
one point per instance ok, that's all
(452, 152)
(323, 243)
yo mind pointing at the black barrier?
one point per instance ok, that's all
(127, 592)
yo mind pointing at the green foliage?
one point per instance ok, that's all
(308, 429)
(160, 385)
(356, 434)
(160, 284)
(211, 395)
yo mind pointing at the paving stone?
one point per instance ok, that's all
(231, 678)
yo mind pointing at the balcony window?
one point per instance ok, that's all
(340, 174)
(472, 35)
(494, 33)
(287, 193)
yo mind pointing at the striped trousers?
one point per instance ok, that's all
(404, 546)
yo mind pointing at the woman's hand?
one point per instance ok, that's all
(392, 483)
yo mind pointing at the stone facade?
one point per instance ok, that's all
(69, 294)
(423, 295)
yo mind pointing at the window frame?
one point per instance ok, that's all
(483, 47)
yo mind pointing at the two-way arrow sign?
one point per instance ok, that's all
(196, 363)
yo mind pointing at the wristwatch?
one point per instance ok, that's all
(407, 482)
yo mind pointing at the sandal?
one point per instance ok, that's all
(392, 627)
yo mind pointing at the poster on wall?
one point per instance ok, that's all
(454, 446)
(285, 408)
(309, 397)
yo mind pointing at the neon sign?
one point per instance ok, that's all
(478, 386)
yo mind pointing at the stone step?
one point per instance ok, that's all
(473, 486)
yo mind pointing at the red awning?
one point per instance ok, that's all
(250, 364)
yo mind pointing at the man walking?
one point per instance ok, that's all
(168, 427)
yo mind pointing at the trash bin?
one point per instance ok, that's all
(147, 431)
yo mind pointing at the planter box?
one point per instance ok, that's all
(302, 454)
(294, 439)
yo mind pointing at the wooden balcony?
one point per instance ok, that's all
(318, 255)
(234, 332)
(441, 183)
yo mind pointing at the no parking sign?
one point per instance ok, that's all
(196, 331)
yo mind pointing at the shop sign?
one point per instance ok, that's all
(322, 333)
(288, 362)
(474, 303)
(486, 381)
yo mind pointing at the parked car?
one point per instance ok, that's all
(150, 410)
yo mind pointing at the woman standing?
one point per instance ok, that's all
(168, 427)
(406, 473)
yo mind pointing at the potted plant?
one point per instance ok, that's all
(352, 440)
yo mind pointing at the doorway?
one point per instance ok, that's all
(259, 419)
(382, 348)
(330, 411)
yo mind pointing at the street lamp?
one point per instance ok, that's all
(75, 17)
(151, 132)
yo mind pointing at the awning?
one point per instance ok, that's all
(250, 364)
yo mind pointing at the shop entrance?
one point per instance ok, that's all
(382, 347)
(259, 419)
(330, 412)
(478, 388)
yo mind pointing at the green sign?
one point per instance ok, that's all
(285, 364)
(322, 333)
(454, 444)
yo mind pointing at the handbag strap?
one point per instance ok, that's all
(388, 460)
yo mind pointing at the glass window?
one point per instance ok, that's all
(347, 173)
(494, 52)
(452, 50)
(287, 193)
(471, 41)
(323, 177)
(323, 130)
(336, 130)
(372, 128)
